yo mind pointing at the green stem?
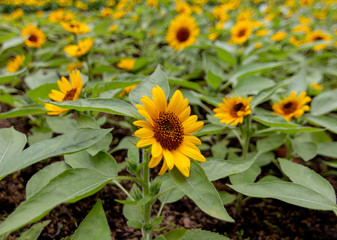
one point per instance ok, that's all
(124, 190)
(147, 229)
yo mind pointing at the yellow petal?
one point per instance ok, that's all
(145, 115)
(183, 116)
(144, 133)
(159, 98)
(150, 107)
(142, 123)
(156, 149)
(145, 142)
(192, 128)
(64, 85)
(169, 159)
(56, 95)
(177, 103)
(192, 153)
(192, 139)
(163, 169)
(183, 163)
(155, 161)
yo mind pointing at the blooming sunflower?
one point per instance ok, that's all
(182, 32)
(279, 36)
(81, 49)
(318, 35)
(127, 64)
(17, 13)
(73, 66)
(128, 89)
(168, 129)
(292, 106)
(14, 64)
(106, 12)
(233, 110)
(60, 15)
(75, 27)
(69, 91)
(35, 36)
(240, 32)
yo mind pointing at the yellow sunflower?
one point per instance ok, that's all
(128, 89)
(183, 8)
(73, 66)
(240, 32)
(182, 32)
(233, 110)
(75, 27)
(17, 13)
(81, 49)
(35, 36)
(168, 129)
(14, 64)
(278, 36)
(59, 15)
(69, 91)
(106, 12)
(127, 64)
(292, 106)
(318, 35)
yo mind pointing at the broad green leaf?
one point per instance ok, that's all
(273, 120)
(133, 212)
(251, 85)
(8, 78)
(270, 143)
(125, 143)
(86, 121)
(43, 177)
(73, 141)
(219, 150)
(214, 74)
(175, 234)
(198, 188)
(226, 197)
(306, 177)
(172, 196)
(61, 124)
(68, 187)
(328, 149)
(144, 88)
(102, 163)
(11, 144)
(185, 234)
(100, 87)
(288, 192)
(324, 103)
(24, 111)
(34, 232)
(323, 121)
(264, 95)
(134, 224)
(306, 150)
(298, 82)
(291, 130)
(211, 129)
(41, 77)
(94, 225)
(102, 145)
(38, 136)
(13, 42)
(41, 92)
(228, 167)
(112, 106)
(247, 176)
(184, 83)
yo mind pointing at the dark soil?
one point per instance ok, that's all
(259, 218)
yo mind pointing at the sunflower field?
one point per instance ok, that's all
(168, 119)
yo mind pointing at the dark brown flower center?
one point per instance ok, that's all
(183, 34)
(69, 95)
(241, 33)
(32, 38)
(168, 130)
(289, 107)
(317, 38)
(238, 107)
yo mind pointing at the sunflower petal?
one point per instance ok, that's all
(159, 98)
(183, 164)
(163, 169)
(156, 150)
(169, 159)
(144, 133)
(145, 142)
(192, 128)
(155, 161)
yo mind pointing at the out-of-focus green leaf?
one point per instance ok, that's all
(34, 232)
(24, 111)
(323, 121)
(324, 103)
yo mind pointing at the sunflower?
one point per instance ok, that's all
(240, 32)
(261, 32)
(128, 89)
(168, 129)
(152, 3)
(292, 106)
(35, 36)
(59, 15)
(183, 8)
(69, 91)
(106, 12)
(75, 27)
(126, 63)
(73, 66)
(318, 35)
(233, 110)
(17, 13)
(182, 32)
(279, 36)
(81, 49)
(14, 64)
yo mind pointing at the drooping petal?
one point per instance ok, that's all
(150, 107)
(144, 133)
(163, 169)
(169, 159)
(155, 161)
(56, 95)
(142, 123)
(183, 163)
(145, 142)
(156, 150)
(192, 153)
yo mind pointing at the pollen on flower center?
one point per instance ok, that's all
(32, 38)
(289, 107)
(168, 130)
(69, 95)
(241, 33)
(237, 107)
(183, 34)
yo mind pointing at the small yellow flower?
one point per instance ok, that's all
(127, 64)
(306, 2)
(183, 8)
(69, 91)
(81, 5)
(59, 15)
(168, 130)
(128, 89)
(39, 14)
(279, 36)
(72, 66)
(295, 41)
(81, 49)
(119, 14)
(233, 110)
(152, 3)
(153, 32)
(135, 17)
(258, 45)
(113, 28)
(301, 29)
(220, 13)
(106, 12)
(75, 27)
(196, 9)
(17, 14)
(182, 32)
(318, 35)
(35, 36)
(304, 20)
(316, 86)
(292, 106)
(240, 32)
(14, 64)
(261, 32)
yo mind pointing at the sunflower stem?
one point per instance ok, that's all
(147, 228)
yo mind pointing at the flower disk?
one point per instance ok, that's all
(182, 32)
(241, 32)
(233, 110)
(35, 36)
(168, 129)
(292, 106)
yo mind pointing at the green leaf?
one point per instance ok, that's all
(34, 232)
(228, 167)
(94, 226)
(41, 77)
(203, 235)
(43, 177)
(273, 120)
(70, 142)
(306, 177)
(61, 124)
(306, 150)
(270, 143)
(328, 149)
(102, 145)
(24, 111)
(172, 196)
(112, 106)
(324, 103)
(213, 71)
(68, 187)
(41, 92)
(288, 192)
(175, 234)
(264, 95)
(210, 129)
(251, 85)
(134, 224)
(184, 83)
(323, 121)
(9, 77)
(133, 212)
(226, 197)
(144, 88)
(100, 87)
(291, 130)
(298, 82)
(13, 42)
(247, 176)
(198, 188)
(102, 163)
(125, 143)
